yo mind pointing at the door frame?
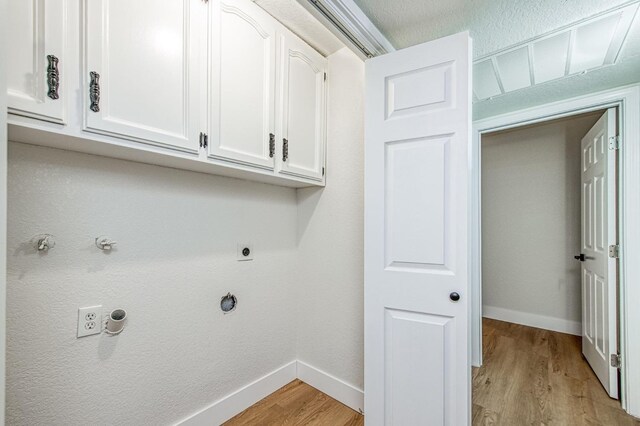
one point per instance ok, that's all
(4, 5)
(627, 100)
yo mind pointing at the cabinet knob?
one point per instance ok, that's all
(454, 296)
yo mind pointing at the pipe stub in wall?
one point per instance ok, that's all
(116, 320)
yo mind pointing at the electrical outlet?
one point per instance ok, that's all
(89, 320)
(245, 251)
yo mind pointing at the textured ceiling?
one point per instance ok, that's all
(295, 17)
(497, 24)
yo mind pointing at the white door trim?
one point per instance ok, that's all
(4, 6)
(627, 99)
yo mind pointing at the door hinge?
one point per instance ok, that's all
(325, 76)
(323, 171)
(614, 251)
(614, 142)
(272, 145)
(616, 360)
(204, 140)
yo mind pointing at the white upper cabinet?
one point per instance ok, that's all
(218, 86)
(242, 70)
(141, 78)
(35, 77)
(302, 108)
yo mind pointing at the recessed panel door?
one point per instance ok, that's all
(140, 80)
(36, 59)
(417, 365)
(599, 279)
(302, 113)
(242, 84)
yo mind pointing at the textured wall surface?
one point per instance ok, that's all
(497, 24)
(295, 17)
(329, 279)
(531, 218)
(175, 258)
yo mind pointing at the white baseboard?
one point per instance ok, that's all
(337, 389)
(227, 407)
(533, 320)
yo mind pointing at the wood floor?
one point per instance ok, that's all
(532, 376)
(298, 404)
(529, 377)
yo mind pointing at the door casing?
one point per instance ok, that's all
(627, 100)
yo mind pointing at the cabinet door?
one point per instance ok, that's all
(242, 80)
(35, 79)
(141, 80)
(302, 112)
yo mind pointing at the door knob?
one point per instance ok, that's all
(581, 257)
(454, 296)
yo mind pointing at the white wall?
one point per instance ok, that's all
(301, 298)
(329, 278)
(531, 223)
(175, 259)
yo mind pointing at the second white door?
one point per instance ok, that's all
(599, 277)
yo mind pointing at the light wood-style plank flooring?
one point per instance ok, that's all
(529, 377)
(532, 376)
(298, 404)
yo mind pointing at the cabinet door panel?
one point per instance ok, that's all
(243, 83)
(302, 108)
(37, 29)
(146, 56)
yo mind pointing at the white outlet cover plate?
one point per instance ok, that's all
(241, 247)
(90, 320)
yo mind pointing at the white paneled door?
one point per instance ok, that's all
(140, 78)
(599, 275)
(417, 360)
(35, 77)
(302, 101)
(242, 79)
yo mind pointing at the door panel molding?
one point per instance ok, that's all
(599, 224)
(417, 366)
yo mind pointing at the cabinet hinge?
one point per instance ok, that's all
(616, 360)
(325, 76)
(614, 251)
(614, 142)
(323, 171)
(204, 140)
